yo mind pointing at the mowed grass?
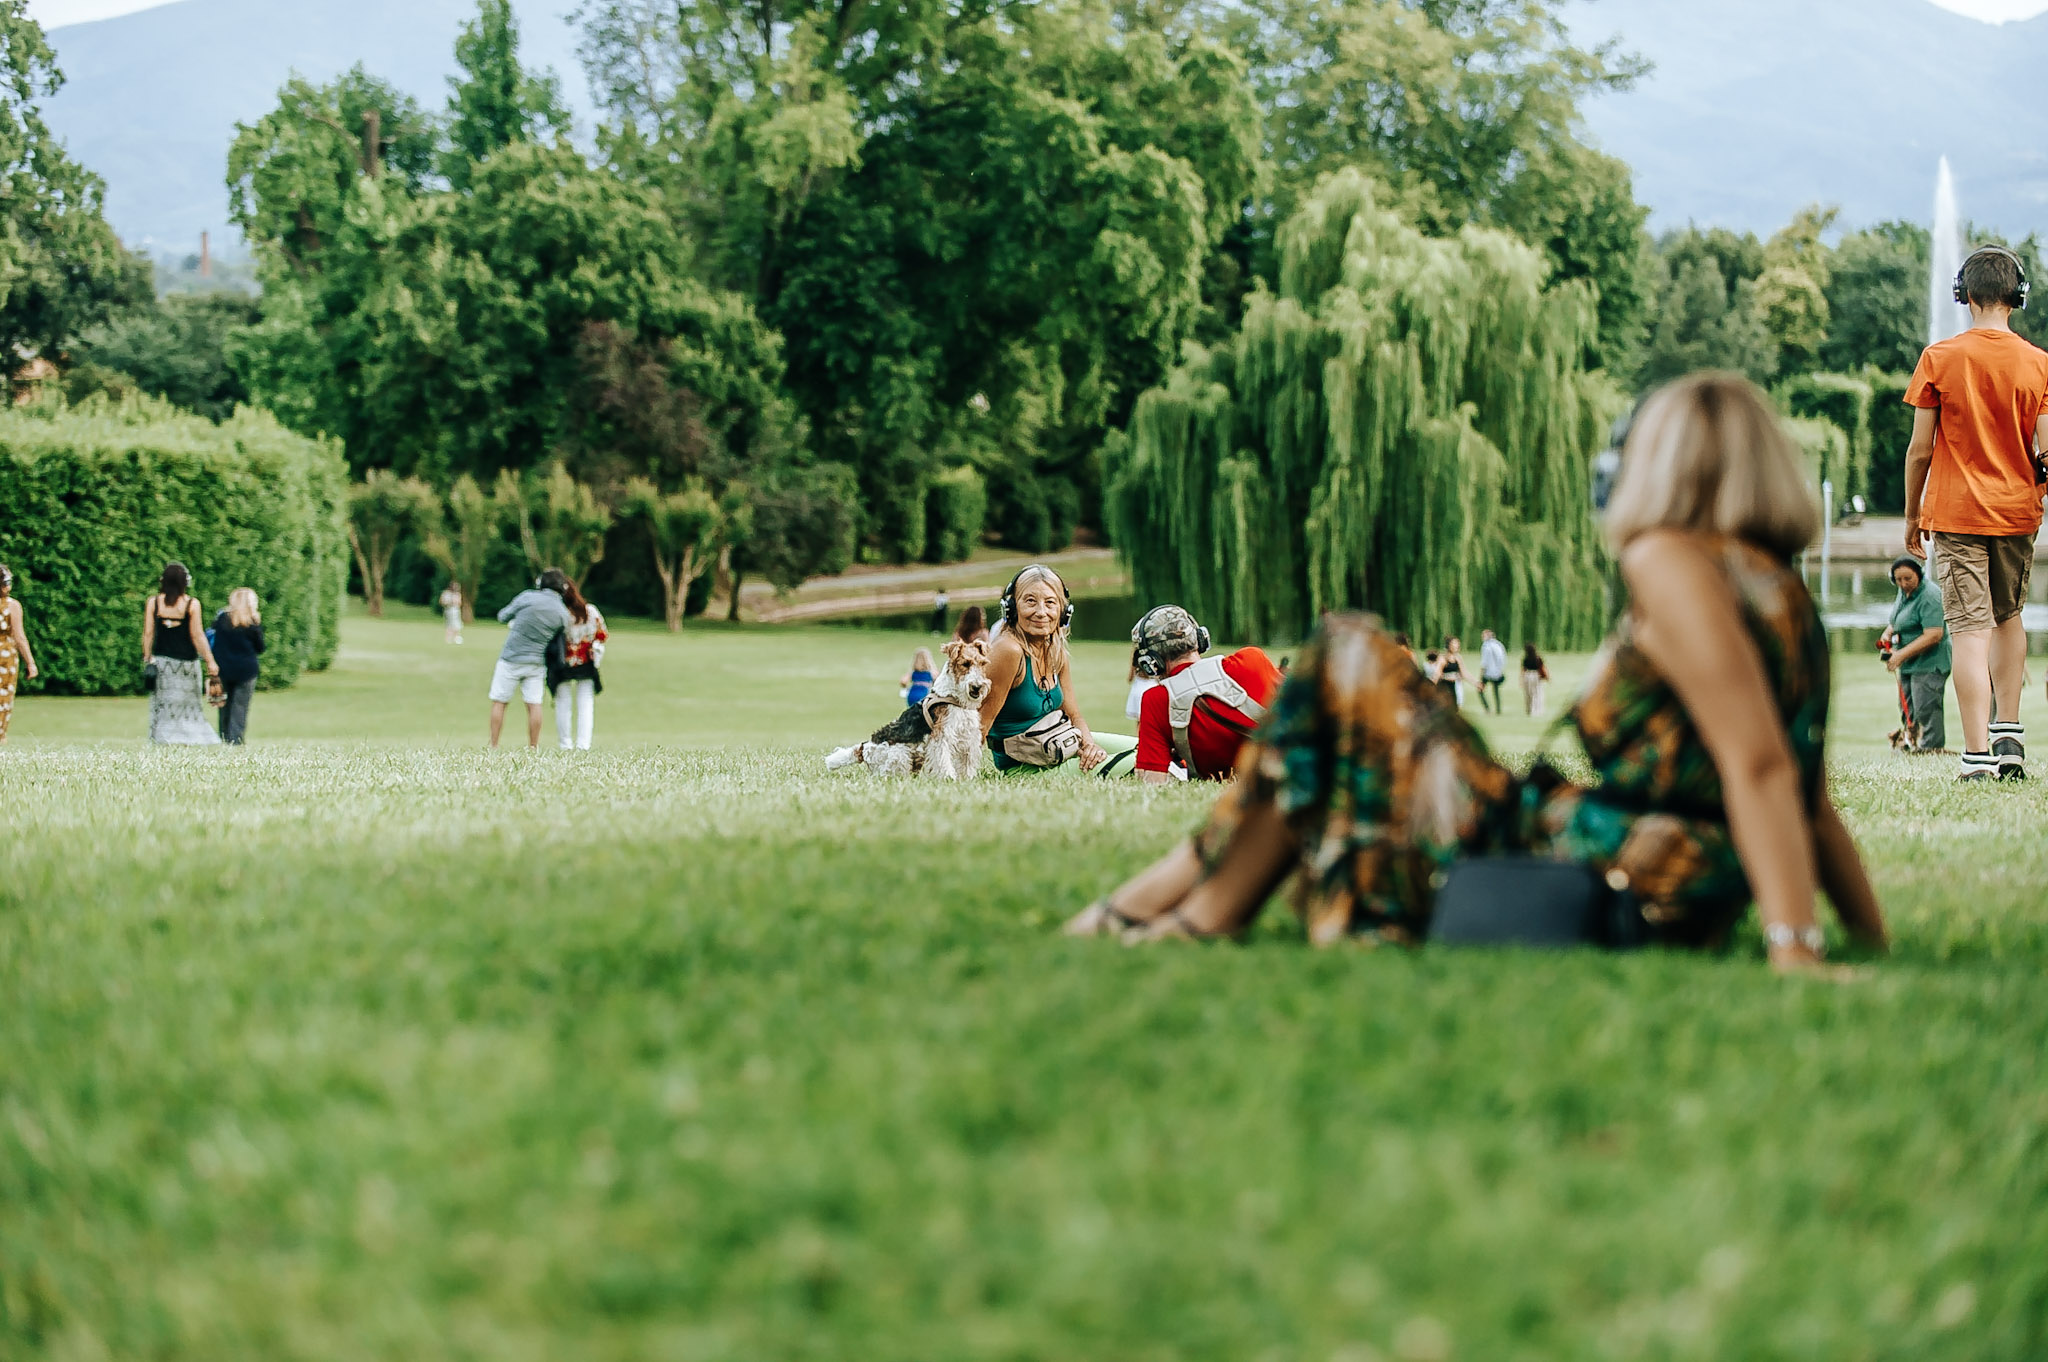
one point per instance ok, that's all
(363, 1043)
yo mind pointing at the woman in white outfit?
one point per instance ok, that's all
(451, 613)
(577, 687)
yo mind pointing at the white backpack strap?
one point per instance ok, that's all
(1205, 679)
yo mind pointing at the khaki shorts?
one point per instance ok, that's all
(1983, 578)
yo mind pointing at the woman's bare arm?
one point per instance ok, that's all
(1004, 661)
(16, 616)
(1842, 875)
(148, 630)
(1688, 625)
(199, 643)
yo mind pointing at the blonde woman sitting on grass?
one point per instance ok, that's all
(1703, 717)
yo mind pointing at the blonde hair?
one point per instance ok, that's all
(242, 608)
(1708, 453)
(921, 660)
(1055, 659)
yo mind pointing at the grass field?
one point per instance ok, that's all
(363, 1043)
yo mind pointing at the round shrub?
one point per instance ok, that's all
(956, 507)
(100, 496)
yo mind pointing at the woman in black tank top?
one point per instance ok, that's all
(173, 650)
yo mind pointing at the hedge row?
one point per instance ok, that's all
(95, 499)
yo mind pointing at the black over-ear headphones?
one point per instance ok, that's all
(1010, 596)
(2017, 300)
(1150, 664)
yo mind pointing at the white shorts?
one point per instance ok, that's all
(528, 679)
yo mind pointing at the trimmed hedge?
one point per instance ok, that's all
(1844, 401)
(1891, 430)
(1824, 448)
(956, 508)
(97, 498)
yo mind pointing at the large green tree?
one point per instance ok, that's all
(1403, 427)
(947, 209)
(175, 348)
(1705, 311)
(495, 101)
(1466, 110)
(62, 270)
(1877, 299)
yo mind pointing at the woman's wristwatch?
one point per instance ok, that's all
(1780, 935)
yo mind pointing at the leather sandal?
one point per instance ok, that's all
(1101, 918)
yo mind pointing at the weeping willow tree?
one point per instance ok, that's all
(1404, 427)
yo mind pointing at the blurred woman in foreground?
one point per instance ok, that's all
(1703, 716)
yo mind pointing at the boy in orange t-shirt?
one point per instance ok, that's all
(1981, 415)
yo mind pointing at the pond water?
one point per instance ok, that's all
(1855, 599)
(1097, 619)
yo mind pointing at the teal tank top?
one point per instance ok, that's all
(1026, 706)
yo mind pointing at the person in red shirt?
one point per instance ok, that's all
(1202, 710)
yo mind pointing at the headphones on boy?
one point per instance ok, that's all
(1010, 596)
(2017, 299)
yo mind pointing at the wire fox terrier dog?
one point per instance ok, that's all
(940, 738)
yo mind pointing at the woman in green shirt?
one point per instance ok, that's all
(1918, 638)
(1029, 672)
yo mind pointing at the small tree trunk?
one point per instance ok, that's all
(671, 602)
(371, 562)
(732, 601)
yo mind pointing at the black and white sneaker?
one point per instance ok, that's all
(1978, 766)
(2008, 744)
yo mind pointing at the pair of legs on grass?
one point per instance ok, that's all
(1984, 582)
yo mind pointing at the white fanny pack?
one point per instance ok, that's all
(1048, 742)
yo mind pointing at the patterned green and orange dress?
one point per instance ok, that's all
(10, 663)
(1386, 783)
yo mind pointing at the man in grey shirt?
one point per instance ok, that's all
(536, 617)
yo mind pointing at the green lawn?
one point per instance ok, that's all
(364, 1043)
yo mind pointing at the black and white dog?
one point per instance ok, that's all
(940, 738)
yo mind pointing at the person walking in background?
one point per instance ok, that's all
(176, 662)
(1450, 672)
(1980, 418)
(237, 643)
(536, 616)
(973, 626)
(578, 685)
(1535, 678)
(451, 613)
(1493, 669)
(941, 604)
(14, 650)
(1920, 654)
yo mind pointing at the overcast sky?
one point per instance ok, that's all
(52, 13)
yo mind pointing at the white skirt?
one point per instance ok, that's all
(178, 712)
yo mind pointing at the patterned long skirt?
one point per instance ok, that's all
(10, 675)
(1385, 784)
(177, 707)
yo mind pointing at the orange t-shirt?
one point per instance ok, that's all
(1989, 387)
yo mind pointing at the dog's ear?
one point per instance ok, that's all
(953, 648)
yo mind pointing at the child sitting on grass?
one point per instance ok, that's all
(917, 683)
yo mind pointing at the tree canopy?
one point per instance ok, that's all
(62, 270)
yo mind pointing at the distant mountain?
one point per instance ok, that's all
(1759, 106)
(151, 100)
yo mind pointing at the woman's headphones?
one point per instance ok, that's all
(1010, 596)
(2017, 299)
